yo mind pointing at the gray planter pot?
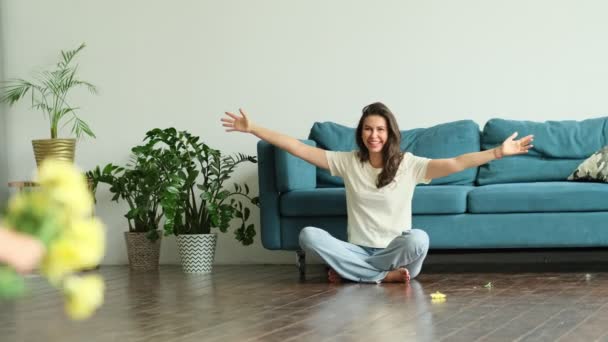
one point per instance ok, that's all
(197, 252)
(143, 253)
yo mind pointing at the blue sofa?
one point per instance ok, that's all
(516, 202)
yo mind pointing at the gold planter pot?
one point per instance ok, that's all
(61, 149)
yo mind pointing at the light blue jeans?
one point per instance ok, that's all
(367, 264)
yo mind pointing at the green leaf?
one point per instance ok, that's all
(152, 235)
(107, 169)
(245, 235)
(246, 214)
(12, 285)
(222, 195)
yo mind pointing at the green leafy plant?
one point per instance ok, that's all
(195, 199)
(140, 185)
(49, 91)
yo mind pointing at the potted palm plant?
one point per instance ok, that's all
(196, 201)
(48, 91)
(139, 185)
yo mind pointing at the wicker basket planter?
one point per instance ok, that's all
(143, 253)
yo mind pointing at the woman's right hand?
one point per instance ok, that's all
(237, 123)
(311, 154)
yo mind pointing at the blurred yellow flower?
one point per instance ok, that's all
(80, 246)
(77, 200)
(17, 204)
(33, 213)
(59, 174)
(89, 236)
(66, 185)
(60, 260)
(58, 213)
(83, 295)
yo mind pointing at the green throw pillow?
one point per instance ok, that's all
(593, 169)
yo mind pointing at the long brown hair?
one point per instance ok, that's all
(391, 151)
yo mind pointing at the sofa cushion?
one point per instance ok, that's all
(440, 141)
(559, 147)
(519, 230)
(445, 199)
(488, 231)
(333, 137)
(317, 202)
(292, 172)
(593, 169)
(538, 197)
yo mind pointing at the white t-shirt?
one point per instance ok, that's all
(377, 216)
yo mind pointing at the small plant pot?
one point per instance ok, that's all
(143, 253)
(197, 252)
(60, 149)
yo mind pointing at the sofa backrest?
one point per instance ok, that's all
(559, 147)
(440, 141)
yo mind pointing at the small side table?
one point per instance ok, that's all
(22, 185)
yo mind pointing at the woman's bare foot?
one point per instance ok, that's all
(333, 276)
(400, 275)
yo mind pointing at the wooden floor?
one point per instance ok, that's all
(269, 303)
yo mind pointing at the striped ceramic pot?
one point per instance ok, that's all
(197, 252)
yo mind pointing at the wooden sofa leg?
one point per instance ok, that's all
(301, 263)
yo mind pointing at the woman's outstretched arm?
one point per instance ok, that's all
(442, 167)
(242, 123)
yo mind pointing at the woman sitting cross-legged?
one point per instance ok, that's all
(379, 180)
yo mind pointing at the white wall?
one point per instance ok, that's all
(3, 132)
(182, 63)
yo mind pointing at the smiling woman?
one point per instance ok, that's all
(382, 245)
(378, 138)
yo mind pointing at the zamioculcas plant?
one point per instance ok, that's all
(196, 197)
(139, 184)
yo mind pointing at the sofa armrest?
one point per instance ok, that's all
(269, 197)
(293, 173)
(279, 171)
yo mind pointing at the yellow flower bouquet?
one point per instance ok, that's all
(59, 214)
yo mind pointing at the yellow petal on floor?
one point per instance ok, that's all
(438, 300)
(438, 295)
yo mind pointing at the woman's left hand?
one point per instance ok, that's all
(512, 147)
